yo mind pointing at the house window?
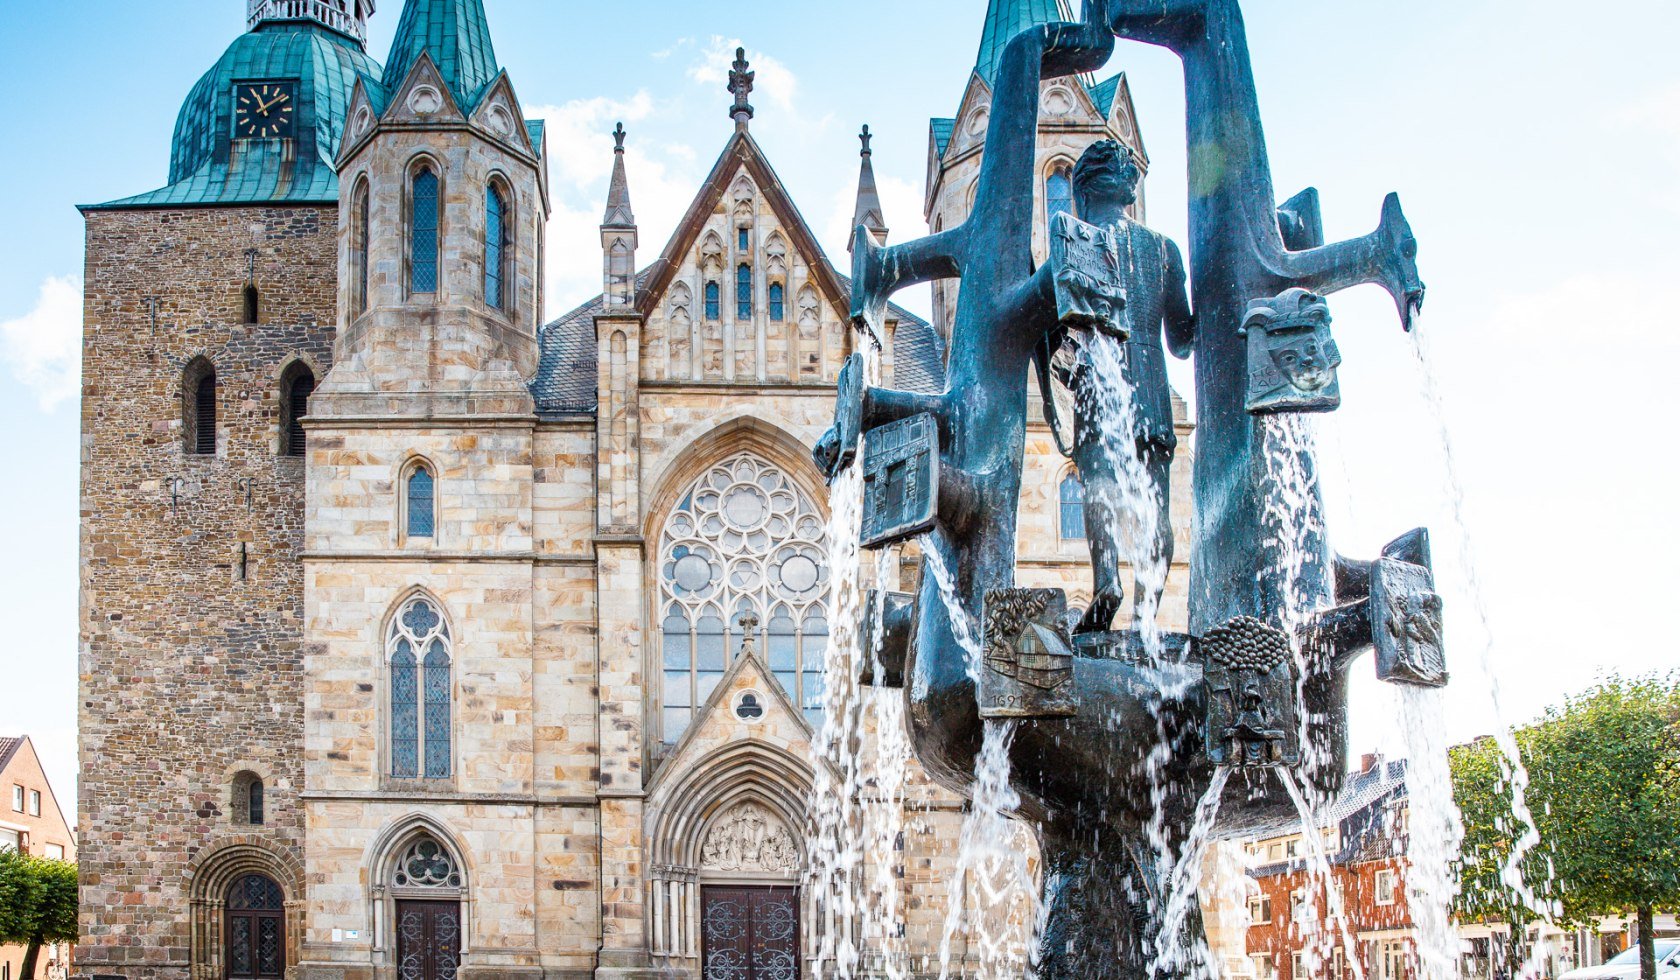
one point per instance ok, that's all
(198, 408)
(1385, 888)
(1260, 910)
(423, 233)
(10, 840)
(1073, 508)
(34, 802)
(17, 798)
(421, 693)
(742, 559)
(297, 385)
(1298, 905)
(496, 226)
(1298, 966)
(359, 250)
(53, 852)
(1058, 192)
(1263, 968)
(712, 301)
(743, 292)
(421, 503)
(778, 302)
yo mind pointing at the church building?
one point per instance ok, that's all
(423, 639)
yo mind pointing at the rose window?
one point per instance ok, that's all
(742, 557)
(426, 865)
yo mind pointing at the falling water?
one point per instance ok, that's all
(837, 833)
(1515, 773)
(1319, 880)
(990, 855)
(1175, 952)
(1433, 830)
(886, 770)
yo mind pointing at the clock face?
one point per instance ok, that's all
(264, 110)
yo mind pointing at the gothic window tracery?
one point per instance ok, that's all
(742, 557)
(423, 231)
(421, 692)
(426, 864)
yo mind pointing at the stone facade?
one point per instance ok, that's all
(192, 588)
(529, 770)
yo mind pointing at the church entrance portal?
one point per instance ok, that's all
(750, 933)
(428, 940)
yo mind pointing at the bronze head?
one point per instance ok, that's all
(1105, 172)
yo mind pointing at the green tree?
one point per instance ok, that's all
(37, 904)
(1603, 770)
(1483, 789)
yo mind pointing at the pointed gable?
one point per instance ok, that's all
(741, 156)
(499, 115)
(422, 96)
(456, 34)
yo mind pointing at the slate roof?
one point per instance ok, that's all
(8, 748)
(208, 167)
(566, 373)
(1360, 813)
(457, 36)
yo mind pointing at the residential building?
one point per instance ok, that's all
(32, 822)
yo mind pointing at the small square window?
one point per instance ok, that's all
(34, 802)
(1385, 888)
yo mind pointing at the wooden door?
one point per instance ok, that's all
(428, 940)
(750, 933)
(255, 930)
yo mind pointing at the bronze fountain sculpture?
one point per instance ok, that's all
(1254, 685)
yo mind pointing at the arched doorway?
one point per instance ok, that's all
(255, 930)
(426, 885)
(749, 902)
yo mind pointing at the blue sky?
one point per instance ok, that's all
(1537, 153)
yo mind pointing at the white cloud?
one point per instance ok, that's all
(43, 348)
(772, 79)
(677, 45)
(580, 163)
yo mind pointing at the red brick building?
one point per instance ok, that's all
(1365, 848)
(32, 822)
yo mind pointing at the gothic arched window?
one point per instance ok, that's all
(712, 301)
(1073, 508)
(359, 250)
(743, 292)
(423, 232)
(778, 302)
(742, 558)
(496, 224)
(421, 693)
(1058, 191)
(420, 502)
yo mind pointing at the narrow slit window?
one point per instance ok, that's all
(495, 249)
(423, 233)
(422, 503)
(253, 304)
(743, 240)
(359, 251)
(299, 387)
(743, 292)
(778, 302)
(200, 405)
(712, 301)
(255, 802)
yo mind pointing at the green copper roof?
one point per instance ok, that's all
(1007, 18)
(1103, 94)
(457, 36)
(208, 166)
(942, 130)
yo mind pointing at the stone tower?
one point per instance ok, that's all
(1073, 114)
(210, 315)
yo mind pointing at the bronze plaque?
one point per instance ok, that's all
(900, 481)
(1085, 266)
(1028, 649)
(1406, 624)
(1250, 679)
